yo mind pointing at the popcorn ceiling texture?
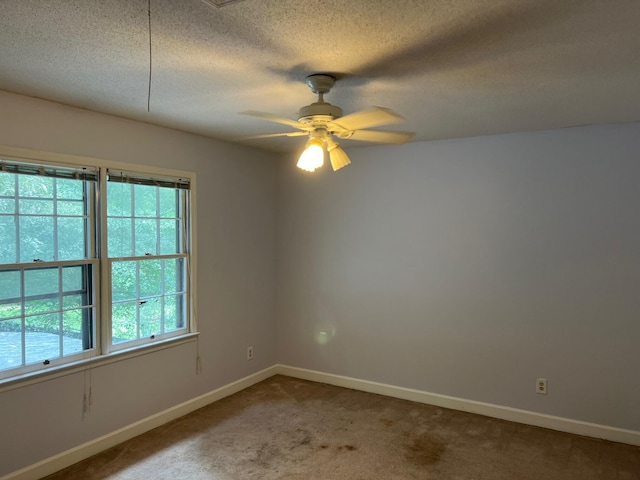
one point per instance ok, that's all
(452, 69)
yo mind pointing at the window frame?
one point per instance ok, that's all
(144, 179)
(103, 351)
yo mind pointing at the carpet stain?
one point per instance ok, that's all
(424, 450)
(387, 422)
(339, 448)
(266, 454)
(349, 448)
(305, 440)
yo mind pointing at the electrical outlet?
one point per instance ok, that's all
(249, 353)
(541, 386)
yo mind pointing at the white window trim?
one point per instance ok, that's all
(104, 353)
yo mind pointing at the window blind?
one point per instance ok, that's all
(137, 179)
(73, 173)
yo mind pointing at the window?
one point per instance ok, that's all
(147, 257)
(66, 230)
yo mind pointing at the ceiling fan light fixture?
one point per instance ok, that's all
(313, 155)
(337, 156)
(323, 122)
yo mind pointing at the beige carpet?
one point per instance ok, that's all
(285, 428)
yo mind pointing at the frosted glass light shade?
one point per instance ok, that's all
(312, 157)
(338, 157)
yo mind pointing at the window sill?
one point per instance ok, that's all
(27, 379)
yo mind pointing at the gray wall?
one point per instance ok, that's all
(470, 268)
(466, 267)
(236, 228)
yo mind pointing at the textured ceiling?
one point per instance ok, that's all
(452, 68)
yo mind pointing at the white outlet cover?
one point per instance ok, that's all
(541, 386)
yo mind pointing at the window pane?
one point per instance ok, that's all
(7, 184)
(150, 278)
(42, 337)
(70, 207)
(73, 278)
(69, 189)
(35, 186)
(41, 281)
(71, 238)
(72, 301)
(146, 237)
(120, 243)
(10, 297)
(36, 238)
(145, 200)
(124, 281)
(174, 275)
(11, 339)
(150, 317)
(168, 203)
(172, 315)
(119, 199)
(8, 251)
(7, 205)
(72, 322)
(123, 322)
(169, 242)
(10, 310)
(36, 207)
(9, 284)
(41, 305)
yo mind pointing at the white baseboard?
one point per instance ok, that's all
(561, 424)
(62, 460)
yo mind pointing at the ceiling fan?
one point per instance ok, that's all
(321, 122)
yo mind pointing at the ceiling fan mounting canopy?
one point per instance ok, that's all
(320, 83)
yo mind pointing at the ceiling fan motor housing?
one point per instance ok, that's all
(319, 112)
(315, 112)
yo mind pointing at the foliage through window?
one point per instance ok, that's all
(147, 257)
(51, 238)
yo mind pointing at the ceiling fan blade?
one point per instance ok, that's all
(274, 118)
(380, 136)
(271, 135)
(372, 117)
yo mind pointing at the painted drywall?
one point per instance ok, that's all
(236, 233)
(472, 267)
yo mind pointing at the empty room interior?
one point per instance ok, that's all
(464, 245)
